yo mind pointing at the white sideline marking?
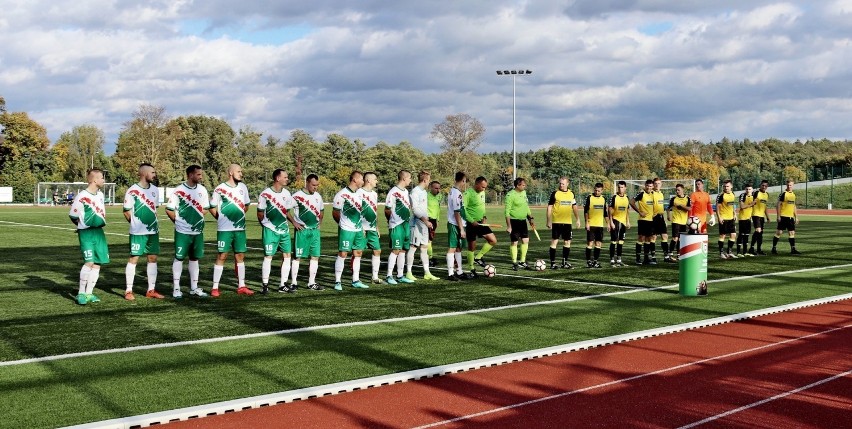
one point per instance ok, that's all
(770, 399)
(353, 385)
(647, 374)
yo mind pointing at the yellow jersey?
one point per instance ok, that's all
(725, 205)
(679, 216)
(759, 209)
(618, 207)
(746, 213)
(563, 206)
(595, 210)
(645, 204)
(659, 203)
(787, 204)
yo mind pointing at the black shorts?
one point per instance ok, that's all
(745, 226)
(786, 224)
(432, 231)
(758, 221)
(472, 232)
(659, 225)
(617, 233)
(646, 228)
(561, 231)
(595, 233)
(519, 230)
(728, 227)
(678, 229)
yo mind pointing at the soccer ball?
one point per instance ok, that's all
(540, 265)
(693, 223)
(489, 270)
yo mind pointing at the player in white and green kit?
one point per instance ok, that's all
(88, 212)
(140, 209)
(456, 235)
(272, 206)
(306, 217)
(420, 227)
(369, 222)
(186, 208)
(350, 235)
(398, 214)
(229, 204)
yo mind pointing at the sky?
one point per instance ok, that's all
(604, 72)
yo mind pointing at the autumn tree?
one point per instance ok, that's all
(80, 145)
(460, 135)
(150, 136)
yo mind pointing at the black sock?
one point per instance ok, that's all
(792, 243)
(588, 253)
(730, 245)
(598, 252)
(721, 246)
(759, 240)
(665, 245)
(566, 251)
(552, 255)
(745, 242)
(611, 251)
(774, 241)
(639, 247)
(646, 249)
(672, 246)
(753, 240)
(618, 249)
(654, 249)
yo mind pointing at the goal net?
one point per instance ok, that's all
(667, 188)
(63, 193)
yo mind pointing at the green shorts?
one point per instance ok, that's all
(454, 239)
(350, 240)
(93, 245)
(308, 243)
(373, 242)
(400, 237)
(274, 242)
(189, 245)
(148, 244)
(231, 240)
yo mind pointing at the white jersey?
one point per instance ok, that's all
(369, 209)
(189, 205)
(419, 202)
(348, 203)
(308, 209)
(142, 204)
(274, 205)
(89, 210)
(400, 206)
(454, 204)
(232, 202)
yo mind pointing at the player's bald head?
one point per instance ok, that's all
(233, 167)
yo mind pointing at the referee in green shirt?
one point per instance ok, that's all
(517, 212)
(433, 210)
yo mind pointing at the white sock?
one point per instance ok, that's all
(241, 274)
(294, 271)
(409, 260)
(194, 272)
(424, 259)
(129, 274)
(285, 271)
(400, 264)
(338, 268)
(93, 278)
(356, 268)
(217, 275)
(312, 271)
(377, 264)
(84, 277)
(152, 275)
(177, 270)
(451, 259)
(391, 264)
(459, 269)
(265, 269)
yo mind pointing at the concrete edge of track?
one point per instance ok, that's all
(236, 405)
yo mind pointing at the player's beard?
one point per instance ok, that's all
(155, 181)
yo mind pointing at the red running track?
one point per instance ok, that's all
(788, 370)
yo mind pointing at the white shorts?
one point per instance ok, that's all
(419, 233)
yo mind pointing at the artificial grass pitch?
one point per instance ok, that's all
(39, 319)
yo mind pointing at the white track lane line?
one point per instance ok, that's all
(635, 377)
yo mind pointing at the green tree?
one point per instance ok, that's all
(204, 141)
(20, 136)
(80, 145)
(150, 136)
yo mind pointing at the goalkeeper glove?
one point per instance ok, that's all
(712, 220)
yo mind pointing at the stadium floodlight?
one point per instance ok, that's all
(514, 73)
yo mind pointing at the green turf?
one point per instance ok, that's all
(38, 318)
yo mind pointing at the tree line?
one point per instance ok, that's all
(27, 156)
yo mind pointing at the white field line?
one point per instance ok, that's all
(770, 399)
(371, 382)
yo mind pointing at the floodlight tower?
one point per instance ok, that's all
(514, 74)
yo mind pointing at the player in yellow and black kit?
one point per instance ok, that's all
(678, 213)
(660, 222)
(596, 220)
(787, 218)
(561, 208)
(643, 203)
(759, 217)
(727, 228)
(619, 204)
(744, 217)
